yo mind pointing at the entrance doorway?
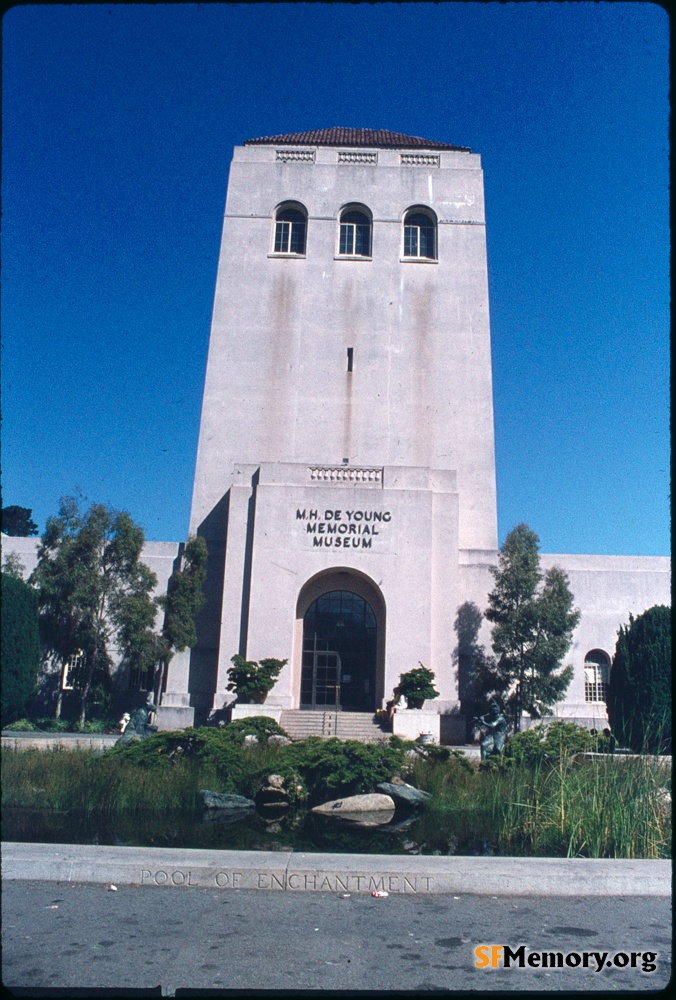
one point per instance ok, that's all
(339, 653)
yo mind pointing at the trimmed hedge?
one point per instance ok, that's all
(20, 649)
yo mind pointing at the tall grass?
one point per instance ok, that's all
(605, 807)
(598, 808)
(63, 779)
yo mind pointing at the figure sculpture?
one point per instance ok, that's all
(493, 740)
(138, 727)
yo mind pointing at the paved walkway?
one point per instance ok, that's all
(177, 941)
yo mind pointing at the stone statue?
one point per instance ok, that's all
(493, 740)
(138, 727)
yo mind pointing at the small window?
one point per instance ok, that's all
(290, 228)
(141, 679)
(355, 234)
(596, 673)
(420, 236)
(71, 668)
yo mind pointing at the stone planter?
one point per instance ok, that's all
(410, 723)
(416, 703)
(247, 711)
(254, 698)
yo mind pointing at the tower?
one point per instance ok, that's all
(345, 472)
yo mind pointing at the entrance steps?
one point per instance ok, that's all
(359, 726)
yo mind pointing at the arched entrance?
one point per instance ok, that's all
(341, 615)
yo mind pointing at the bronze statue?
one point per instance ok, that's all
(493, 740)
(138, 727)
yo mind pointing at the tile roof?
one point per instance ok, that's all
(371, 137)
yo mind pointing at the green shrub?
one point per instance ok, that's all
(54, 725)
(260, 726)
(20, 647)
(334, 768)
(548, 743)
(418, 684)
(251, 679)
(219, 752)
(21, 726)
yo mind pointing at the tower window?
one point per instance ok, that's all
(290, 228)
(350, 355)
(596, 672)
(420, 235)
(355, 234)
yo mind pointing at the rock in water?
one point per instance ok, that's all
(404, 794)
(373, 802)
(224, 800)
(380, 817)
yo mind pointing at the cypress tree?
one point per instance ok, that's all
(20, 651)
(639, 693)
(533, 621)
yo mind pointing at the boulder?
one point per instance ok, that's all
(404, 794)
(278, 739)
(377, 818)
(276, 781)
(373, 802)
(224, 800)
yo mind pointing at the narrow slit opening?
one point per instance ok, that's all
(350, 354)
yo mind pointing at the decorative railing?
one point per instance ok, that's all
(296, 154)
(357, 157)
(419, 159)
(352, 476)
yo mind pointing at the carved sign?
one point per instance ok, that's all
(343, 529)
(287, 881)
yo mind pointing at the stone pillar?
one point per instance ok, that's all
(236, 584)
(175, 710)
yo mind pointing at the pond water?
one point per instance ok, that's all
(301, 831)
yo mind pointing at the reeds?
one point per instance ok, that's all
(62, 779)
(604, 807)
(573, 806)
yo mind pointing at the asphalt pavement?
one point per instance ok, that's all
(175, 941)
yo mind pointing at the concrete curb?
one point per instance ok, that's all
(353, 873)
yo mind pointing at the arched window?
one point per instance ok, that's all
(355, 234)
(420, 235)
(596, 673)
(290, 229)
(339, 653)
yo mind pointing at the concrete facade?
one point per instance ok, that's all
(346, 442)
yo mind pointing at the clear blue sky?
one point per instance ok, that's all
(118, 127)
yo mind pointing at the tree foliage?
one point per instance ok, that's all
(639, 693)
(250, 679)
(12, 566)
(533, 622)
(95, 595)
(184, 596)
(417, 684)
(20, 650)
(17, 521)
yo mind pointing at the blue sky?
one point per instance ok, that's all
(118, 128)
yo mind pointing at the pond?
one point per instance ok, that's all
(431, 833)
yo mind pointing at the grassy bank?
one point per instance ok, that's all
(598, 808)
(546, 806)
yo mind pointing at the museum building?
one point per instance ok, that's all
(345, 478)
